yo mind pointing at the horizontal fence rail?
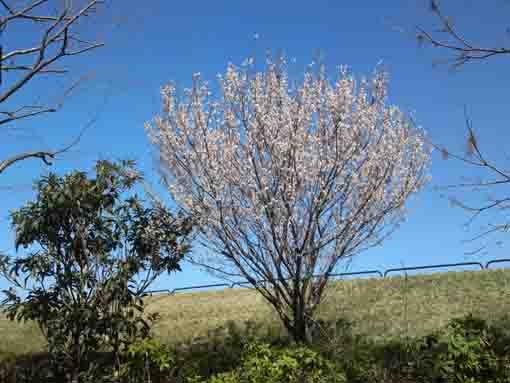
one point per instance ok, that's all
(152, 292)
(357, 273)
(201, 287)
(433, 267)
(496, 261)
(380, 274)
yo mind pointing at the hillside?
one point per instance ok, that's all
(388, 307)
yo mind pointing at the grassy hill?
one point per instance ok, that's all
(390, 307)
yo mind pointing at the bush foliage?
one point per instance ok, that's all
(92, 251)
(468, 349)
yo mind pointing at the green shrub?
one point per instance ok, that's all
(146, 360)
(262, 363)
(222, 349)
(93, 247)
(467, 350)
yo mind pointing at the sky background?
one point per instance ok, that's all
(152, 42)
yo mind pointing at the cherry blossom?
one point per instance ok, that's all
(289, 180)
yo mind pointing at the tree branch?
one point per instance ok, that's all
(465, 52)
(45, 156)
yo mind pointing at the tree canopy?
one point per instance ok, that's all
(288, 180)
(91, 252)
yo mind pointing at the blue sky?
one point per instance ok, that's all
(159, 41)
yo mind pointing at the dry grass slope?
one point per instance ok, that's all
(391, 307)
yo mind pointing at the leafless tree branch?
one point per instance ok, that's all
(45, 156)
(454, 42)
(58, 39)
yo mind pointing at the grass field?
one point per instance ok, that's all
(379, 308)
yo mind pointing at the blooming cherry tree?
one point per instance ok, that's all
(288, 181)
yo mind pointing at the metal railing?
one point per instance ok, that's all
(444, 265)
(381, 274)
(496, 261)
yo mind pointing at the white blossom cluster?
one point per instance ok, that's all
(290, 170)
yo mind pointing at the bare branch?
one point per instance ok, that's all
(13, 117)
(57, 39)
(43, 156)
(46, 157)
(478, 159)
(49, 37)
(464, 51)
(25, 67)
(83, 50)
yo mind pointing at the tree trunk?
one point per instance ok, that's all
(302, 331)
(76, 368)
